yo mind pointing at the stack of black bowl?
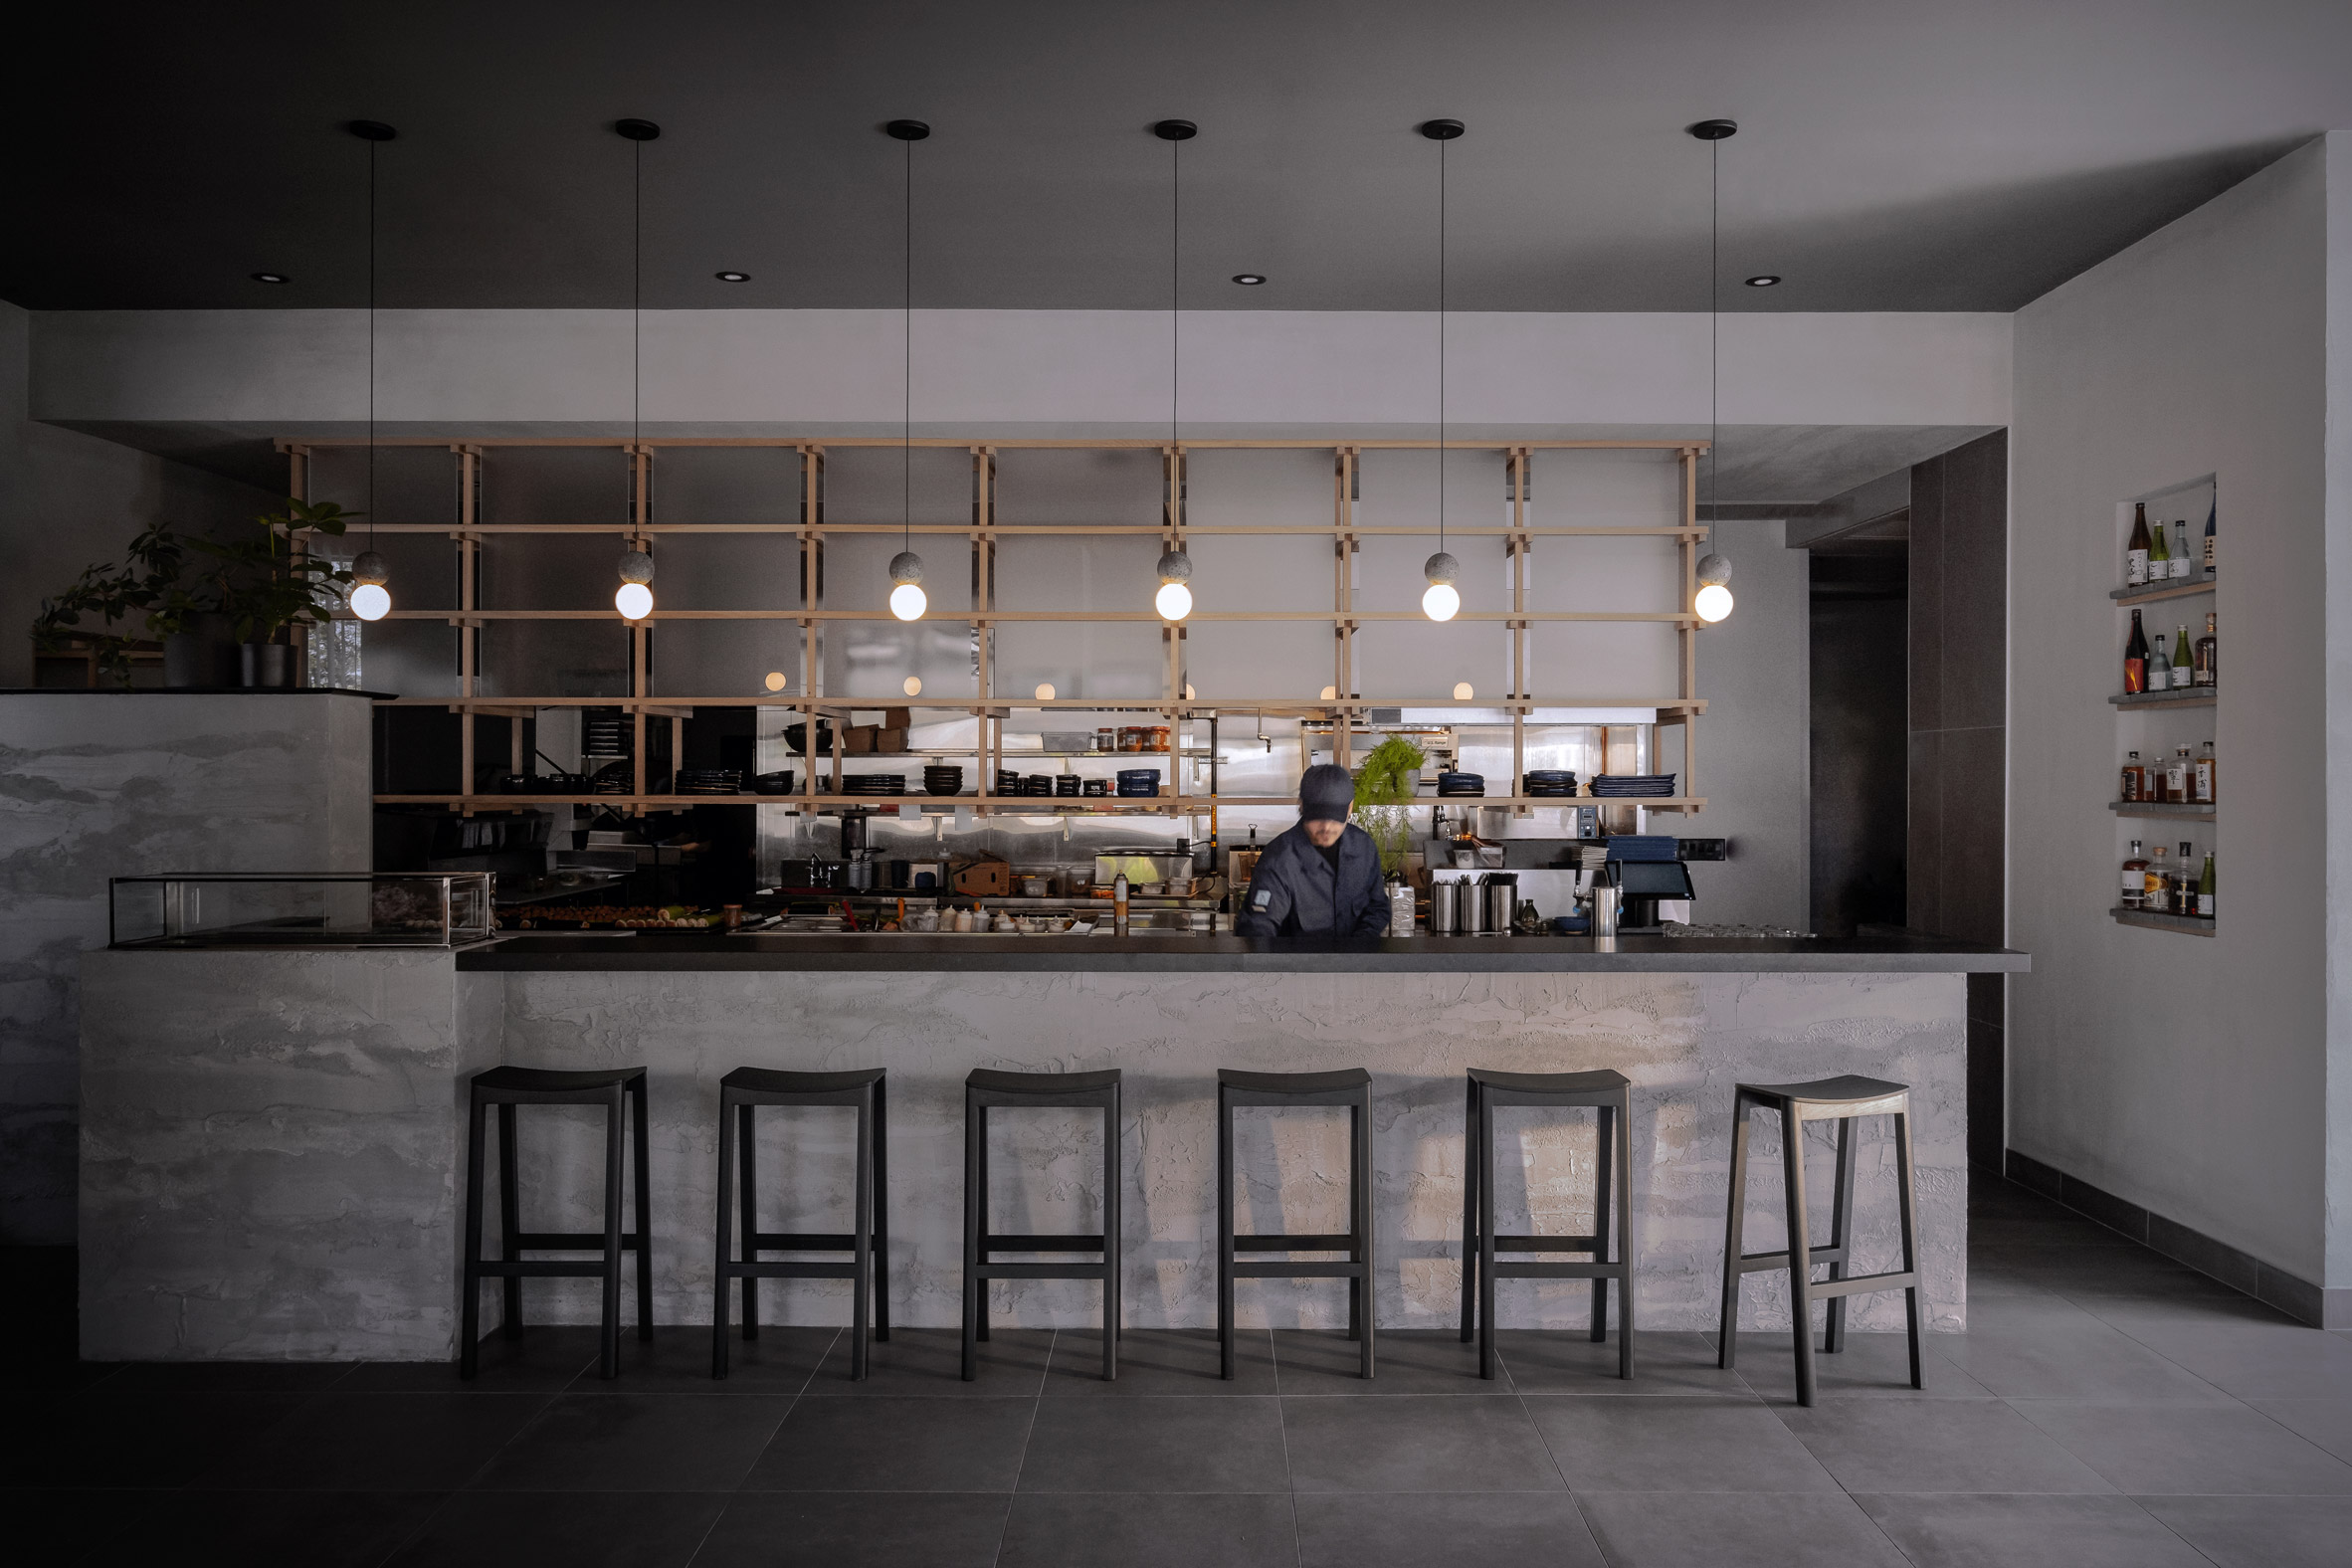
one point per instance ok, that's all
(1449, 784)
(942, 778)
(1549, 782)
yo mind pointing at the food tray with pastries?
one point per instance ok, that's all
(616, 916)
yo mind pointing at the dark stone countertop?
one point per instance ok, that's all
(1175, 953)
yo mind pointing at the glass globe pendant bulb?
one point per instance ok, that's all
(1713, 603)
(1173, 600)
(908, 601)
(370, 602)
(635, 601)
(1439, 602)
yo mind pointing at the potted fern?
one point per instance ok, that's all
(1385, 789)
(268, 585)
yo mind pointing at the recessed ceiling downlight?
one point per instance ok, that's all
(1763, 279)
(269, 278)
(1250, 280)
(734, 278)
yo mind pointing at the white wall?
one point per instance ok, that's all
(2182, 1073)
(274, 373)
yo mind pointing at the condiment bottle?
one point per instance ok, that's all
(1118, 906)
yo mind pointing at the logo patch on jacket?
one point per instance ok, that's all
(1262, 901)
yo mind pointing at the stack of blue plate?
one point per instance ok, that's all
(1550, 781)
(1461, 784)
(1620, 785)
(1139, 781)
(1643, 847)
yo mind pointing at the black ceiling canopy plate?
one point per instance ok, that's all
(1714, 129)
(1441, 129)
(907, 130)
(1175, 131)
(371, 130)
(637, 130)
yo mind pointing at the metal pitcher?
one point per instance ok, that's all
(1499, 901)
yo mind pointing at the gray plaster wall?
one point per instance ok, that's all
(100, 785)
(2189, 1076)
(270, 1139)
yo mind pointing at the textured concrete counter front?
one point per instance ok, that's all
(272, 1141)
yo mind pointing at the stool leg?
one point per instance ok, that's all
(1734, 1224)
(862, 1243)
(1841, 1236)
(1487, 1237)
(1355, 1226)
(470, 1307)
(747, 1160)
(608, 1354)
(1225, 1252)
(1910, 1219)
(980, 1233)
(1624, 1235)
(1792, 1158)
(1470, 1210)
(1603, 1118)
(974, 1159)
(882, 1213)
(644, 1217)
(1364, 1229)
(1110, 1236)
(509, 1218)
(726, 1219)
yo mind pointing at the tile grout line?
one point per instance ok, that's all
(1013, 1493)
(1281, 1425)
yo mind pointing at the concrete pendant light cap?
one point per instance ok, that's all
(637, 567)
(906, 567)
(1175, 567)
(1441, 568)
(1713, 569)
(368, 568)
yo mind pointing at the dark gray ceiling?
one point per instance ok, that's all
(1962, 156)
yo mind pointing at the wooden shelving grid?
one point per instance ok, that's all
(1349, 713)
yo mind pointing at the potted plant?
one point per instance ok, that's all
(269, 585)
(1385, 789)
(150, 585)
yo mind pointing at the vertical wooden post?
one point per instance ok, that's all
(987, 734)
(1343, 603)
(812, 597)
(469, 601)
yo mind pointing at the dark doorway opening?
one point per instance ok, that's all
(1860, 627)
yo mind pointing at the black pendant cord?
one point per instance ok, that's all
(636, 296)
(906, 374)
(1175, 291)
(371, 345)
(1715, 329)
(1441, 347)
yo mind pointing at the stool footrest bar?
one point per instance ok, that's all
(782, 1270)
(1542, 1244)
(1293, 1244)
(1503, 1271)
(804, 1240)
(1754, 1263)
(1861, 1286)
(541, 1270)
(988, 1270)
(1290, 1270)
(1040, 1243)
(567, 1240)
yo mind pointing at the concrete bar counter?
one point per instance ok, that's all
(272, 1141)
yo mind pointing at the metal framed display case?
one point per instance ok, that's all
(351, 909)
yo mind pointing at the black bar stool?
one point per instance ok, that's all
(986, 1087)
(1611, 1095)
(868, 1241)
(618, 1090)
(1349, 1086)
(1838, 1099)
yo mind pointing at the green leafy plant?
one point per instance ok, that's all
(147, 584)
(270, 584)
(1384, 788)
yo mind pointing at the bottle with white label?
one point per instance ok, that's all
(2180, 547)
(2135, 549)
(2135, 878)
(2159, 667)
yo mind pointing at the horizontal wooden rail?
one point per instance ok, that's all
(995, 617)
(971, 444)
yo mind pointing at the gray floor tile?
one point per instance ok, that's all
(1569, 1363)
(101, 1438)
(58, 1524)
(1871, 1366)
(1444, 1530)
(637, 1443)
(2260, 1532)
(2054, 1349)
(265, 1529)
(896, 1445)
(1149, 1531)
(543, 1361)
(1736, 1531)
(381, 1442)
(1160, 1361)
(1185, 1443)
(677, 1361)
(1674, 1445)
(928, 1362)
(807, 1529)
(2326, 1422)
(1417, 1443)
(593, 1530)
(227, 1377)
(2057, 1227)
(1937, 1445)
(2096, 1272)
(1405, 1361)
(2250, 1358)
(2190, 1448)
(1992, 1530)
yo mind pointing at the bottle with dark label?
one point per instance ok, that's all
(2205, 889)
(2135, 548)
(2135, 779)
(2136, 657)
(2135, 878)
(2208, 511)
(2207, 770)
(2209, 656)
(2159, 667)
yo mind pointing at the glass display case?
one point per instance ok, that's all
(354, 909)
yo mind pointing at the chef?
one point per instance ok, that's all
(1321, 877)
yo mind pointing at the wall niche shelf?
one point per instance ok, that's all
(2186, 924)
(2152, 808)
(2171, 590)
(2195, 696)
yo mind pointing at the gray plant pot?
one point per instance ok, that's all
(274, 667)
(204, 654)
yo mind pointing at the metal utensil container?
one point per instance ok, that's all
(1499, 901)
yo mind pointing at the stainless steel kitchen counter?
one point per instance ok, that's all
(1177, 953)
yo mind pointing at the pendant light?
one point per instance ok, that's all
(1174, 599)
(1441, 599)
(908, 600)
(371, 600)
(1713, 602)
(635, 597)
